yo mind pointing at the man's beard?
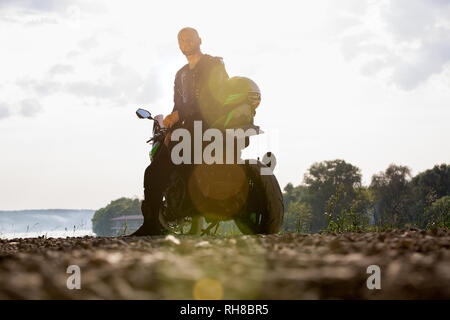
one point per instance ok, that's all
(191, 52)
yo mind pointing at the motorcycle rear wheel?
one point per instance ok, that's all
(265, 210)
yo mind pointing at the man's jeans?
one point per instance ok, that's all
(155, 181)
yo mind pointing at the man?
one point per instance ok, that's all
(198, 95)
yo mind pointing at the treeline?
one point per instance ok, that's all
(332, 197)
(102, 225)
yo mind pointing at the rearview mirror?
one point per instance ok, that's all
(143, 114)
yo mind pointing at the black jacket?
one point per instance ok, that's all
(199, 92)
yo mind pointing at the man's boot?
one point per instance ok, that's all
(151, 225)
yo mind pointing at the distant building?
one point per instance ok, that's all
(127, 224)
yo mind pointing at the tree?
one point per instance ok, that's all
(436, 180)
(101, 222)
(298, 213)
(288, 195)
(393, 199)
(322, 181)
(297, 218)
(392, 195)
(438, 214)
(293, 194)
(353, 218)
(427, 187)
(363, 201)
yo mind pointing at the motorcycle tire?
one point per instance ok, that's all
(265, 202)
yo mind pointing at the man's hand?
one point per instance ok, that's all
(171, 119)
(167, 139)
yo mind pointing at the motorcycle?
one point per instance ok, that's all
(212, 193)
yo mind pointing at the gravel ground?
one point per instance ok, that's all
(413, 264)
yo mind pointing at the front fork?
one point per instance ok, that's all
(155, 148)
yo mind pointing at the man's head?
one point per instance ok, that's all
(189, 41)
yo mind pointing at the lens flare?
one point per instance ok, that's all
(218, 191)
(211, 97)
(207, 289)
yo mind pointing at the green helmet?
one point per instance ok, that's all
(242, 90)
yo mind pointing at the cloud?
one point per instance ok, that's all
(123, 85)
(4, 111)
(88, 43)
(26, 107)
(42, 87)
(429, 60)
(408, 38)
(61, 69)
(411, 19)
(30, 107)
(41, 12)
(119, 85)
(53, 5)
(90, 89)
(40, 5)
(37, 13)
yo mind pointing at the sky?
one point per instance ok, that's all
(359, 80)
